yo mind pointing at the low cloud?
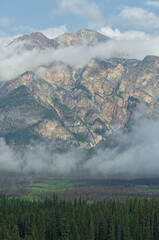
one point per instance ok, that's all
(36, 158)
(14, 60)
(135, 154)
(5, 40)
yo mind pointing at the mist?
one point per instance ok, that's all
(136, 153)
(15, 60)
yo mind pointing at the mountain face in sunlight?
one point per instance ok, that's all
(40, 41)
(80, 107)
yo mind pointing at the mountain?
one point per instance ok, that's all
(83, 36)
(70, 107)
(40, 41)
(35, 40)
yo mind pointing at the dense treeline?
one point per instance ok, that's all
(50, 219)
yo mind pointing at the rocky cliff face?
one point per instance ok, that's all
(69, 107)
(83, 36)
(36, 40)
(40, 41)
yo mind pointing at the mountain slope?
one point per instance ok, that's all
(36, 40)
(78, 107)
(39, 41)
(83, 36)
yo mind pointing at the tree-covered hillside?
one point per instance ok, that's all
(52, 219)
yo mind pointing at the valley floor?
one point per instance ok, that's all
(31, 186)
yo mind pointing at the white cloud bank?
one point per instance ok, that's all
(14, 62)
(136, 154)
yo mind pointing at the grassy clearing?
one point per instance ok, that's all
(40, 189)
(34, 187)
(148, 190)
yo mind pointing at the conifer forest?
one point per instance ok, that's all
(51, 219)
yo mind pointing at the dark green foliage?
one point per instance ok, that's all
(99, 121)
(133, 99)
(17, 97)
(84, 89)
(89, 113)
(120, 95)
(79, 137)
(67, 113)
(62, 106)
(100, 131)
(22, 96)
(59, 220)
(98, 94)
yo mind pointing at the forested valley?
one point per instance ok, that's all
(52, 219)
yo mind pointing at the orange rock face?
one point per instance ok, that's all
(80, 106)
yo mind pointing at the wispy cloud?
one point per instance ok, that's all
(139, 18)
(135, 154)
(153, 3)
(83, 8)
(23, 29)
(5, 40)
(5, 22)
(48, 32)
(54, 32)
(77, 57)
(128, 35)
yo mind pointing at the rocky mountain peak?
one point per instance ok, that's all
(36, 40)
(91, 34)
(39, 41)
(80, 107)
(33, 36)
(83, 36)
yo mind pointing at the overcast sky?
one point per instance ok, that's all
(112, 17)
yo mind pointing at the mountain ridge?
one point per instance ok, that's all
(77, 107)
(40, 41)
